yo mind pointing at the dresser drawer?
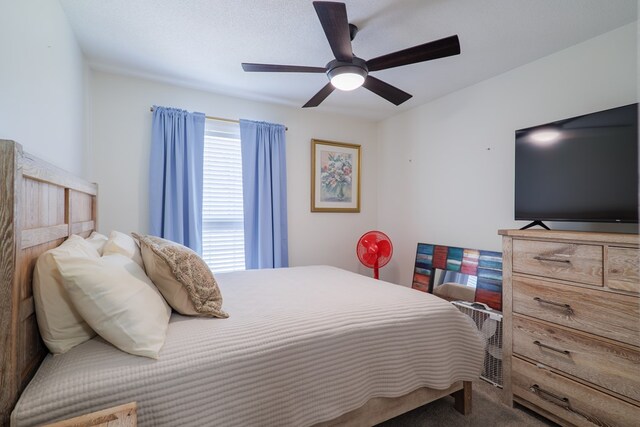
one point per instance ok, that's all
(599, 362)
(623, 270)
(570, 400)
(567, 261)
(600, 313)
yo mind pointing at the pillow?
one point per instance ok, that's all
(61, 325)
(183, 278)
(98, 241)
(118, 301)
(123, 244)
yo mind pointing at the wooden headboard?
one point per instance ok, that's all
(40, 206)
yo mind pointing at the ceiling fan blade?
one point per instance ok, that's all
(320, 96)
(249, 67)
(333, 17)
(385, 90)
(447, 46)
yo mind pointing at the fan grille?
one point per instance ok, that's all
(374, 249)
(489, 323)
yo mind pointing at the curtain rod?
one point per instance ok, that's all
(220, 119)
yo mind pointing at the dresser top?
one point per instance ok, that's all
(575, 236)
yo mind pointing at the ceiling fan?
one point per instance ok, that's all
(347, 71)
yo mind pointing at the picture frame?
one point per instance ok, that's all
(335, 176)
(482, 268)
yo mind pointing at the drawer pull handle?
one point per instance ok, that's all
(563, 402)
(549, 397)
(544, 258)
(539, 344)
(557, 304)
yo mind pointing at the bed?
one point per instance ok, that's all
(310, 345)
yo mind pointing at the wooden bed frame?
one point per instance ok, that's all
(40, 206)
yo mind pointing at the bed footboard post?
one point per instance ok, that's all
(463, 398)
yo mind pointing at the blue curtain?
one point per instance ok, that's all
(264, 182)
(175, 176)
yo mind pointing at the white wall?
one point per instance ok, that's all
(446, 168)
(42, 82)
(443, 172)
(119, 156)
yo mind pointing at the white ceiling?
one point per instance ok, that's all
(201, 43)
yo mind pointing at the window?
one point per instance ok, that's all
(222, 214)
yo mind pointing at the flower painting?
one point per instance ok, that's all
(335, 176)
(335, 181)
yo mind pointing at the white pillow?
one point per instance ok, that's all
(60, 324)
(123, 244)
(117, 299)
(98, 241)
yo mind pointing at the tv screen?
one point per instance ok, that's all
(580, 169)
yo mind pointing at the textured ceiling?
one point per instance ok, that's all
(201, 43)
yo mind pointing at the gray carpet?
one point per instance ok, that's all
(487, 411)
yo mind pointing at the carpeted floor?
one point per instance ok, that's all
(487, 411)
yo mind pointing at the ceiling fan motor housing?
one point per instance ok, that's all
(355, 66)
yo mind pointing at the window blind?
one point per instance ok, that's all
(222, 210)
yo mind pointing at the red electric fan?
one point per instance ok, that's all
(374, 250)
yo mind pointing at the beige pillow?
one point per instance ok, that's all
(123, 244)
(182, 276)
(118, 300)
(98, 241)
(61, 325)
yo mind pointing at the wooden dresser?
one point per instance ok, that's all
(572, 325)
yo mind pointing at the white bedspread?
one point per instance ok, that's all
(302, 345)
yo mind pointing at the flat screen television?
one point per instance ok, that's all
(580, 169)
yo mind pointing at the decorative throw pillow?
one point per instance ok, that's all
(182, 277)
(123, 244)
(98, 241)
(118, 300)
(61, 325)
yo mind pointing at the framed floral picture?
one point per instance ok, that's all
(335, 176)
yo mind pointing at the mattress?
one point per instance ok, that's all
(302, 345)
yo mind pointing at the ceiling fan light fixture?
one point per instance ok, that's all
(348, 72)
(348, 77)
